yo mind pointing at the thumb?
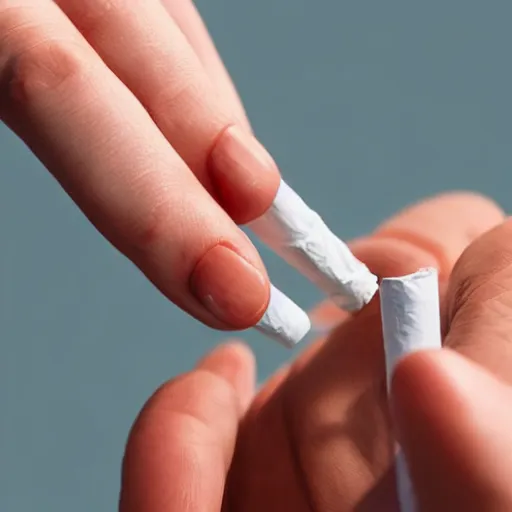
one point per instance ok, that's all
(455, 426)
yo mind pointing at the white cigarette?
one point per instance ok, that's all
(410, 322)
(284, 321)
(301, 237)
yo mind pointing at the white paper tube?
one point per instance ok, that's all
(410, 322)
(284, 321)
(301, 237)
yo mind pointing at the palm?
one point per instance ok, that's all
(318, 438)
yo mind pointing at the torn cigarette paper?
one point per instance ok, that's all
(301, 237)
(410, 322)
(283, 321)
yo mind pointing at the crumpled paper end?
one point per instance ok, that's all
(358, 292)
(283, 321)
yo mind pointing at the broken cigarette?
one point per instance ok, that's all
(301, 238)
(283, 321)
(410, 322)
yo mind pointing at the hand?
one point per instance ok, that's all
(132, 111)
(318, 435)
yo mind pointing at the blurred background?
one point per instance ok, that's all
(366, 106)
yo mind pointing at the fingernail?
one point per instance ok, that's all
(230, 287)
(238, 294)
(244, 175)
(284, 321)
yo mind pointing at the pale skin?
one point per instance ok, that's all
(317, 437)
(130, 108)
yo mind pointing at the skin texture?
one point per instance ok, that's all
(82, 79)
(129, 107)
(318, 436)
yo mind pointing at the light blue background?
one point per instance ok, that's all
(366, 106)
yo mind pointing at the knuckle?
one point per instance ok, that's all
(34, 60)
(164, 220)
(157, 234)
(151, 228)
(92, 15)
(48, 67)
(181, 89)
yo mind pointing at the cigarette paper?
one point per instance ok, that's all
(283, 321)
(410, 322)
(300, 237)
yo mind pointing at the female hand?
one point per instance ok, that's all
(131, 109)
(318, 436)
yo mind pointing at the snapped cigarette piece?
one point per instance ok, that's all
(410, 315)
(283, 321)
(410, 322)
(301, 237)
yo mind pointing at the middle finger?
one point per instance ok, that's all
(146, 49)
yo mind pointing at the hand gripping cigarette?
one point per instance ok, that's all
(300, 237)
(410, 322)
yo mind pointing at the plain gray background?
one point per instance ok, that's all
(366, 106)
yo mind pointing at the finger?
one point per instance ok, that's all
(480, 302)
(111, 158)
(146, 49)
(432, 233)
(454, 422)
(180, 447)
(188, 19)
(235, 362)
(326, 315)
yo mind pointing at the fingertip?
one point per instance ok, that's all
(234, 350)
(426, 377)
(230, 285)
(388, 257)
(409, 375)
(235, 362)
(410, 366)
(476, 212)
(440, 398)
(453, 423)
(486, 208)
